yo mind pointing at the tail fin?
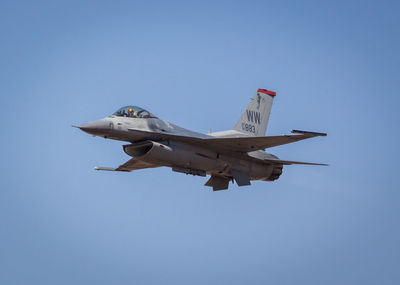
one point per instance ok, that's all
(254, 119)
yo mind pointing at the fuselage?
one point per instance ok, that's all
(148, 144)
(233, 155)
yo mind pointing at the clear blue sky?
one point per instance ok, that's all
(335, 68)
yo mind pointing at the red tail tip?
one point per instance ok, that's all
(265, 91)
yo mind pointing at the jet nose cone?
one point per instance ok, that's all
(97, 128)
(88, 126)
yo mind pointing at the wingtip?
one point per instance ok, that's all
(309, 133)
(104, 168)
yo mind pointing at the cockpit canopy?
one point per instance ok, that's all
(133, 112)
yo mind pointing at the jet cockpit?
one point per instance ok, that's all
(133, 112)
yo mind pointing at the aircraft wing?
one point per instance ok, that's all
(238, 144)
(246, 144)
(132, 164)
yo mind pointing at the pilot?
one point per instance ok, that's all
(130, 112)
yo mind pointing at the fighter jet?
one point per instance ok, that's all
(234, 155)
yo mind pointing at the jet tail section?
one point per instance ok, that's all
(254, 120)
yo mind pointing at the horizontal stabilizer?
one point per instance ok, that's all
(288, 162)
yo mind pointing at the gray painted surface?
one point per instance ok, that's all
(254, 119)
(233, 155)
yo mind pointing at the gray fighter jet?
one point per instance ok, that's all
(233, 155)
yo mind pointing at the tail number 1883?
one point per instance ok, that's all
(248, 128)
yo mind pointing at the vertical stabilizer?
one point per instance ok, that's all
(254, 120)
